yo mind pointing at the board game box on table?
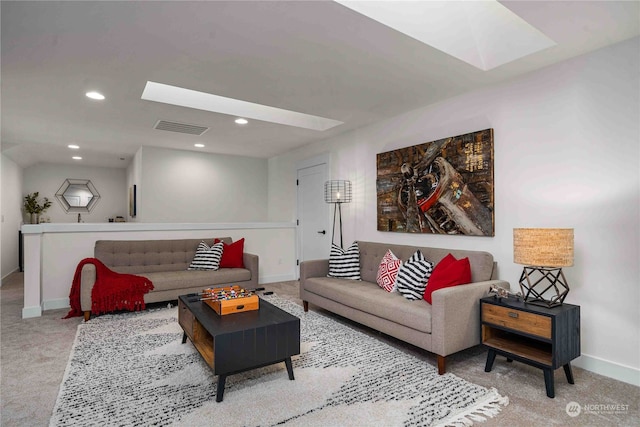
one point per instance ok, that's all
(230, 299)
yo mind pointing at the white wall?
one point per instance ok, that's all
(172, 186)
(566, 155)
(46, 178)
(11, 205)
(189, 186)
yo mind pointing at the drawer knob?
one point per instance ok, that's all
(513, 314)
(240, 307)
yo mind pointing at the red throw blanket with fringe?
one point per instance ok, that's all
(112, 291)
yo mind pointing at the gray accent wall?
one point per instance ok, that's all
(193, 186)
(11, 207)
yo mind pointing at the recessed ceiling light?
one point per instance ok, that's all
(199, 145)
(182, 97)
(77, 158)
(95, 95)
(242, 121)
(73, 146)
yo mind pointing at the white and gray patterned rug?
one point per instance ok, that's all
(132, 370)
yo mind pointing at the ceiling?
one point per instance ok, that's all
(318, 58)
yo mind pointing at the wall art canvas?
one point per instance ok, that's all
(439, 187)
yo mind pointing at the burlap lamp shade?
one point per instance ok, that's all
(543, 252)
(544, 247)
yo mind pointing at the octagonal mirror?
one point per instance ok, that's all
(77, 195)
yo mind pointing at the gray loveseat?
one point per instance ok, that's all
(165, 263)
(451, 324)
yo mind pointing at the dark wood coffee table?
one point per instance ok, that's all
(239, 342)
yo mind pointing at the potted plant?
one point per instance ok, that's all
(33, 207)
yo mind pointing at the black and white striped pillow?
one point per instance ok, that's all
(413, 275)
(344, 264)
(207, 258)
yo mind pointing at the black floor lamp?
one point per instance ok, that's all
(337, 192)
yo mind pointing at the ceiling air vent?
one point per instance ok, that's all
(180, 127)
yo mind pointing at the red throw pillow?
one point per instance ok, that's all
(388, 271)
(232, 254)
(449, 272)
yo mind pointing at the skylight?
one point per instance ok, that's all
(484, 34)
(175, 95)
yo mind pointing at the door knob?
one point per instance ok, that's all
(322, 232)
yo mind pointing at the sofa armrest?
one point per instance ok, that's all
(455, 316)
(87, 280)
(252, 263)
(313, 268)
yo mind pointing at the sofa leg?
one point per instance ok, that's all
(441, 365)
(305, 305)
(87, 315)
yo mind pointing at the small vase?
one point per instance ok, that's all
(34, 218)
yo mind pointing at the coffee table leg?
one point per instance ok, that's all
(184, 337)
(287, 362)
(220, 393)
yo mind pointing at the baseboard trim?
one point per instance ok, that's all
(54, 304)
(8, 274)
(609, 369)
(278, 278)
(34, 311)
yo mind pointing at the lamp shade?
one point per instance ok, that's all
(545, 247)
(337, 191)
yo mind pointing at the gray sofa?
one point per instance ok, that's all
(165, 263)
(451, 324)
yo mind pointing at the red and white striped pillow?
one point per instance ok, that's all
(387, 271)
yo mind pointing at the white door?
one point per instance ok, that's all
(314, 234)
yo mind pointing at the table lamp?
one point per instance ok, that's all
(543, 252)
(337, 192)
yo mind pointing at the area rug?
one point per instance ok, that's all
(132, 370)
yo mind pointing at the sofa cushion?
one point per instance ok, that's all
(449, 272)
(413, 276)
(232, 254)
(388, 271)
(344, 264)
(371, 298)
(148, 256)
(372, 252)
(169, 280)
(207, 257)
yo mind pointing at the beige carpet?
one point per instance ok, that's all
(34, 354)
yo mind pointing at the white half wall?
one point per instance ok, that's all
(567, 154)
(54, 250)
(46, 178)
(190, 186)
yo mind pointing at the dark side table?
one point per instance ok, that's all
(546, 338)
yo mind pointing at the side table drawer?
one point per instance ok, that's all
(530, 323)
